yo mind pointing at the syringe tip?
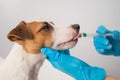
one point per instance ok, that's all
(84, 35)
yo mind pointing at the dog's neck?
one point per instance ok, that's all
(24, 64)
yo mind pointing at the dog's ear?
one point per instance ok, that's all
(20, 33)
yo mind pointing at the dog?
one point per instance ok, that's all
(25, 57)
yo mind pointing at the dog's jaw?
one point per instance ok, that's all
(64, 37)
(65, 45)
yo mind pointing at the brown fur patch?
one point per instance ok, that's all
(20, 32)
(32, 36)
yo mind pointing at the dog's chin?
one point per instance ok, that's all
(70, 43)
(67, 45)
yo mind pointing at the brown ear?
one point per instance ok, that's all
(21, 32)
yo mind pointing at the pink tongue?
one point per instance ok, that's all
(76, 37)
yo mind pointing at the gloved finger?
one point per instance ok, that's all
(51, 54)
(48, 52)
(67, 52)
(104, 51)
(102, 43)
(102, 30)
(102, 46)
(116, 34)
(101, 40)
(101, 51)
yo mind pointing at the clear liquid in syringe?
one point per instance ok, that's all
(93, 34)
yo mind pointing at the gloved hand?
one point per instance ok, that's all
(72, 66)
(109, 45)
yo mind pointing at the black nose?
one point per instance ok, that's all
(76, 27)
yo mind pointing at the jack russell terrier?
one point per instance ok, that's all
(25, 58)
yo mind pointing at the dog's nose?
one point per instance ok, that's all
(76, 27)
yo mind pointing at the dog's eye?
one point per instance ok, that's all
(46, 27)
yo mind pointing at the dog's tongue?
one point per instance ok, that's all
(77, 36)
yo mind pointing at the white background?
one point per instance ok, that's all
(88, 13)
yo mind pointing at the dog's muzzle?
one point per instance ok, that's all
(76, 27)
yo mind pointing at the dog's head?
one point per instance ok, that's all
(35, 35)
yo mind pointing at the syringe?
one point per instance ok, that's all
(93, 34)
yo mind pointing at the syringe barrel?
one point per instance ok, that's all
(94, 34)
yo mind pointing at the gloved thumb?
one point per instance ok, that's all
(46, 51)
(50, 54)
(102, 30)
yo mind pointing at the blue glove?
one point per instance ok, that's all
(109, 45)
(72, 66)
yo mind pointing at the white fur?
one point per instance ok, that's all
(20, 65)
(63, 34)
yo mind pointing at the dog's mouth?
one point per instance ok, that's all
(71, 41)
